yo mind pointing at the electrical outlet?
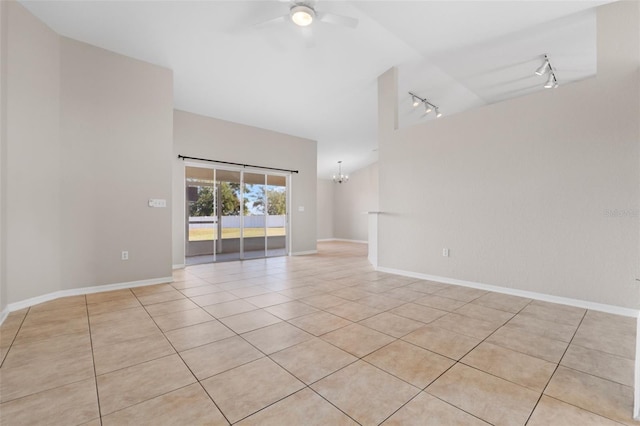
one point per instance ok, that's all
(445, 252)
(125, 255)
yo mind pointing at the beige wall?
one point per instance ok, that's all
(352, 201)
(524, 192)
(205, 137)
(3, 156)
(325, 209)
(116, 145)
(88, 139)
(32, 191)
(342, 208)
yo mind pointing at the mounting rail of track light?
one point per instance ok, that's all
(428, 106)
(546, 68)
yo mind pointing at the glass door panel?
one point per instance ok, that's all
(276, 195)
(254, 231)
(230, 208)
(201, 226)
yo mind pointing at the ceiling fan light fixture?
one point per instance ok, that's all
(302, 15)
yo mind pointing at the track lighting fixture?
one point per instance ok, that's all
(552, 81)
(428, 106)
(339, 178)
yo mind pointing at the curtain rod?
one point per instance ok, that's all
(236, 164)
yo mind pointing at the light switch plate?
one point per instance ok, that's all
(157, 202)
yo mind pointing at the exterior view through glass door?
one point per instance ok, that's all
(234, 215)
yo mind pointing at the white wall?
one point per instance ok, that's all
(522, 191)
(325, 209)
(88, 141)
(205, 137)
(352, 201)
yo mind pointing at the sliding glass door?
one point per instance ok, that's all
(234, 214)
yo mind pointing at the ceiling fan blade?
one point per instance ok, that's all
(331, 18)
(277, 20)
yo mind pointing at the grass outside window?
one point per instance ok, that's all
(208, 234)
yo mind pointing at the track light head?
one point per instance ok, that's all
(551, 82)
(427, 108)
(438, 113)
(544, 68)
(416, 101)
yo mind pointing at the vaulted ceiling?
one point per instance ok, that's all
(320, 82)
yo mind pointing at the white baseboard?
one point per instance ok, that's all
(611, 309)
(4, 314)
(16, 306)
(344, 240)
(303, 253)
(179, 266)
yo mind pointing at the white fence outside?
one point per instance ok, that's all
(203, 222)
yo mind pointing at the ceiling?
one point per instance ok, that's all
(229, 64)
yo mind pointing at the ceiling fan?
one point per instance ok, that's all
(304, 14)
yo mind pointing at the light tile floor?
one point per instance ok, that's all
(307, 340)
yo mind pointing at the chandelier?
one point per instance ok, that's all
(339, 178)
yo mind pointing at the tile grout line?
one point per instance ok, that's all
(183, 362)
(93, 361)
(332, 404)
(556, 368)
(459, 361)
(24, 318)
